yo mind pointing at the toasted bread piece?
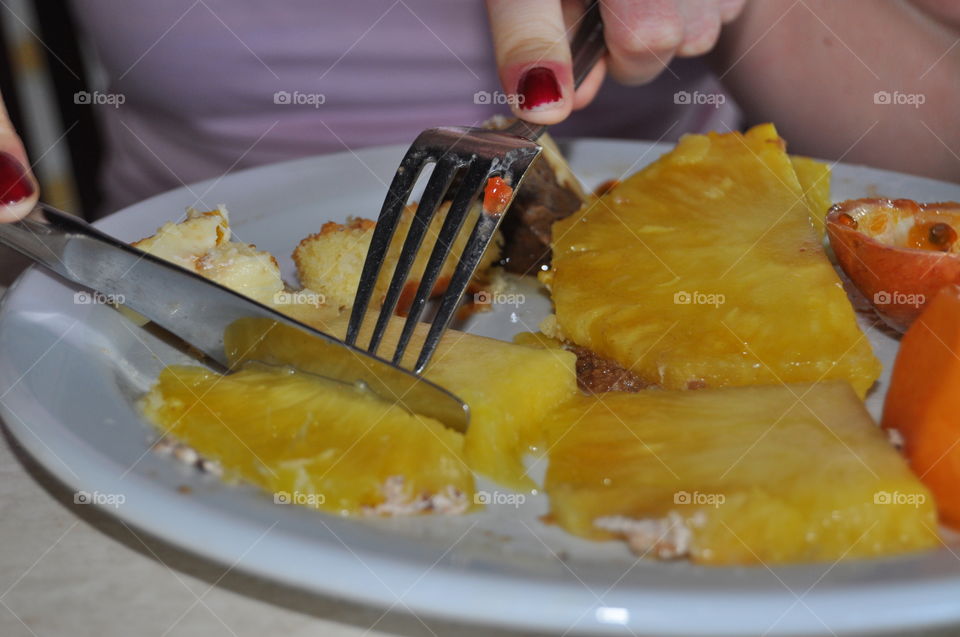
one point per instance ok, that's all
(331, 260)
(202, 243)
(241, 267)
(183, 242)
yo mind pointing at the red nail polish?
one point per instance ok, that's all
(539, 86)
(15, 186)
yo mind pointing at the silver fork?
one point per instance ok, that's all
(478, 155)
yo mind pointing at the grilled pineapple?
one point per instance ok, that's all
(342, 450)
(313, 441)
(814, 178)
(704, 270)
(510, 388)
(738, 475)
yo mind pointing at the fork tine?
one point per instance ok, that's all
(467, 192)
(514, 168)
(397, 195)
(443, 173)
(477, 244)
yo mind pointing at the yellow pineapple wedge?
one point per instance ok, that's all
(740, 475)
(704, 269)
(313, 441)
(510, 388)
(814, 178)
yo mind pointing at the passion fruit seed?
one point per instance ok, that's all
(496, 196)
(942, 235)
(846, 220)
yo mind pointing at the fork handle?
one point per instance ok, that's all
(586, 48)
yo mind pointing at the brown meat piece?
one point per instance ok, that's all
(549, 192)
(597, 375)
(526, 230)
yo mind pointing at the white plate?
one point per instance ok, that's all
(69, 376)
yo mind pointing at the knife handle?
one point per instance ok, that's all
(43, 236)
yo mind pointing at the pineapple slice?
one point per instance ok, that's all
(704, 270)
(510, 388)
(814, 178)
(313, 441)
(739, 475)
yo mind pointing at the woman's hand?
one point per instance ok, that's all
(531, 41)
(18, 187)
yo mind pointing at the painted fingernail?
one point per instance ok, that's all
(539, 87)
(15, 185)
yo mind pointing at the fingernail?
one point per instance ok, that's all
(539, 87)
(15, 185)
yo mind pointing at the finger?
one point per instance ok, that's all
(533, 58)
(701, 26)
(18, 187)
(642, 37)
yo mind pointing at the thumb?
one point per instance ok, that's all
(533, 58)
(18, 187)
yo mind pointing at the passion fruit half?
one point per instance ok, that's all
(899, 253)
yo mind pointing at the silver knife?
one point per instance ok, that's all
(201, 312)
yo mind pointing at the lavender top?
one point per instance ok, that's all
(217, 85)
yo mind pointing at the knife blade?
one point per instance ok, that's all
(202, 312)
